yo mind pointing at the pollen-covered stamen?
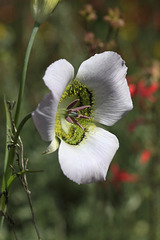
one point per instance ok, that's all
(73, 113)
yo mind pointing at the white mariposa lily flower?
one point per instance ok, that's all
(70, 112)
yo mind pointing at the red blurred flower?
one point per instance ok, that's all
(132, 89)
(145, 156)
(132, 85)
(147, 91)
(119, 175)
(141, 89)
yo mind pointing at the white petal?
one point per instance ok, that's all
(52, 147)
(105, 75)
(44, 117)
(57, 76)
(89, 161)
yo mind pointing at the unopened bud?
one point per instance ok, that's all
(41, 9)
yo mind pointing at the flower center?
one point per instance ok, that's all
(74, 114)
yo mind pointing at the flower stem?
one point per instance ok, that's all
(8, 171)
(26, 59)
(12, 150)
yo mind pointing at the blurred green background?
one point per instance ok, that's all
(126, 206)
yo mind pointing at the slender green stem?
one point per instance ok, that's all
(3, 187)
(8, 128)
(12, 150)
(26, 59)
(8, 171)
(9, 155)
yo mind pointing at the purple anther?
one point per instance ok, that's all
(68, 119)
(72, 104)
(82, 116)
(80, 108)
(77, 123)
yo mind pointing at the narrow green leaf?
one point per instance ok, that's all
(15, 175)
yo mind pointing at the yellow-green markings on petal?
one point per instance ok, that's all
(71, 133)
